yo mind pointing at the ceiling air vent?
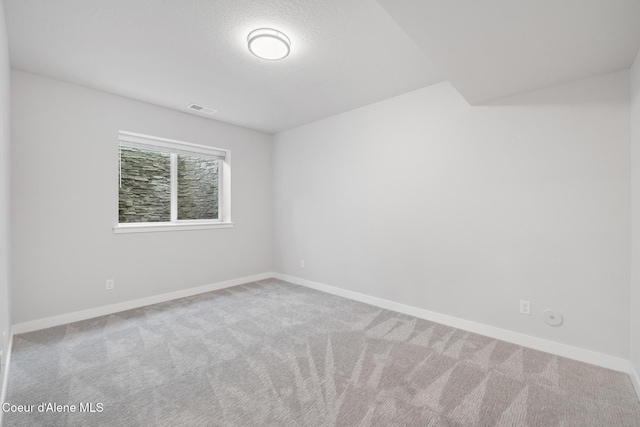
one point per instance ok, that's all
(201, 109)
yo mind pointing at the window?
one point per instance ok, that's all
(171, 185)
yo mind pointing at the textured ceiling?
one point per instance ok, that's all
(494, 48)
(344, 54)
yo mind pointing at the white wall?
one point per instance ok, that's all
(5, 229)
(65, 201)
(635, 209)
(426, 201)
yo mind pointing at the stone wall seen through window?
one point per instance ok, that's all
(145, 187)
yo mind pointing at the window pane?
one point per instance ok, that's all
(145, 186)
(197, 187)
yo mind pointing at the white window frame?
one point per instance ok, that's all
(173, 148)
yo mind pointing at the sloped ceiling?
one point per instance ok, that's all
(490, 49)
(344, 53)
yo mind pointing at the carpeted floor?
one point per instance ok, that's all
(275, 354)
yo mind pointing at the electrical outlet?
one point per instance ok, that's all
(110, 284)
(525, 307)
(301, 263)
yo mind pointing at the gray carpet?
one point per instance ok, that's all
(275, 354)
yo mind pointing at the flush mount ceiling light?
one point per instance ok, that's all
(268, 44)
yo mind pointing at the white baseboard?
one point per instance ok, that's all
(635, 379)
(576, 353)
(571, 352)
(5, 378)
(76, 316)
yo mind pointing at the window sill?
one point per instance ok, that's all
(156, 227)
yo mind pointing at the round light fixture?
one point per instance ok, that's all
(268, 44)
